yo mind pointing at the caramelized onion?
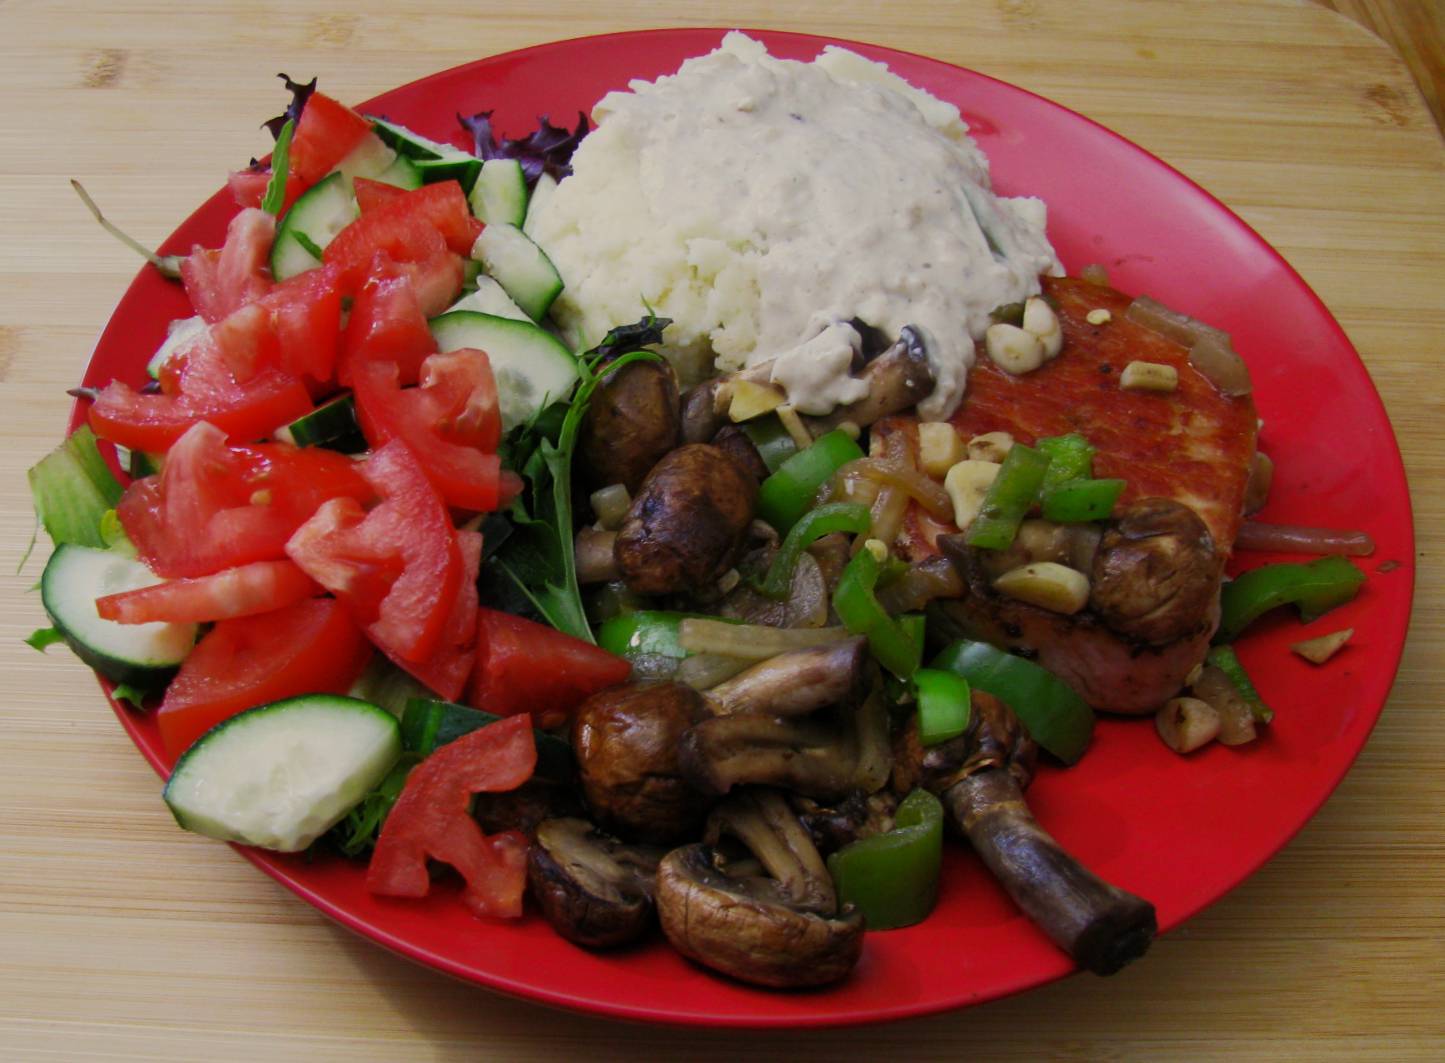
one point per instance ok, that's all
(1210, 350)
(917, 485)
(936, 577)
(1286, 538)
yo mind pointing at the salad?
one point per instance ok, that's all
(324, 577)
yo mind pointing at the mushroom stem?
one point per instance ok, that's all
(760, 818)
(1101, 926)
(980, 777)
(796, 682)
(897, 379)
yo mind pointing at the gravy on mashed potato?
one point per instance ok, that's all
(764, 203)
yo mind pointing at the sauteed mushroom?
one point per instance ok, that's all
(595, 890)
(778, 929)
(980, 777)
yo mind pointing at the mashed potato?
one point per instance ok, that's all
(764, 204)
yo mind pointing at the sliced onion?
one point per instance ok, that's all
(1261, 478)
(611, 505)
(754, 642)
(703, 671)
(927, 492)
(936, 577)
(594, 553)
(1210, 350)
(1287, 538)
(1095, 273)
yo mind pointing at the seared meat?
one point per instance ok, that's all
(1185, 456)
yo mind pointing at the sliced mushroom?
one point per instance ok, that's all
(859, 815)
(522, 809)
(595, 890)
(688, 523)
(803, 755)
(1157, 573)
(797, 682)
(777, 930)
(980, 777)
(898, 379)
(632, 421)
(626, 739)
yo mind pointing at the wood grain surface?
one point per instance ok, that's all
(122, 938)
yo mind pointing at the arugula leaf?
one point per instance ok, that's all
(275, 198)
(538, 557)
(125, 692)
(46, 636)
(73, 488)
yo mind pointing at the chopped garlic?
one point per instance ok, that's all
(1319, 650)
(1149, 376)
(1041, 322)
(991, 446)
(940, 448)
(1047, 584)
(966, 484)
(751, 400)
(1185, 724)
(1099, 317)
(1014, 350)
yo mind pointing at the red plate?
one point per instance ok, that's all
(1179, 831)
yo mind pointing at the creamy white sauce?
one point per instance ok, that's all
(761, 203)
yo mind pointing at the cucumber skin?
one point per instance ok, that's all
(118, 670)
(200, 822)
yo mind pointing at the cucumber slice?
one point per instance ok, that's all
(333, 425)
(142, 655)
(436, 161)
(370, 158)
(532, 367)
(178, 334)
(500, 195)
(280, 775)
(313, 221)
(489, 297)
(402, 173)
(521, 267)
(541, 191)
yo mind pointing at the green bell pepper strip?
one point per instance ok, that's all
(1080, 500)
(771, 440)
(649, 631)
(1056, 716)
(896, 643)
(892, 878)
(943, 705)
(816, 523)
(1009, 498)
(1071, 457)
(786, 495)
(1315, 587)
(1223, 658)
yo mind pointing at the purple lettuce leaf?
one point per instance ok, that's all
(548, 150)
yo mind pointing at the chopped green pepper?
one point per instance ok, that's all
(892, 877)
(771, 440)
(1315, 587)
(1009, 498)
(1223, 658)
(1080, 500)
(896, 643)
(787, 494)
(650, 631)
(1058, 718)
(816, 523)
(1071, 457)
(943, 705)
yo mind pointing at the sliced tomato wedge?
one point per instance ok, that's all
(431, 820)
(294, 329)
(220, 282)
(387, 323)
(372, 194)
(413, 227)
(523, 666)
(312, 647)
(326, 133)
(245, 590)
(451, 422)
(215, 506)
(446, 671)
(397, 568)
(153, 423)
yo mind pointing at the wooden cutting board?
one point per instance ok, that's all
(121, 938)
